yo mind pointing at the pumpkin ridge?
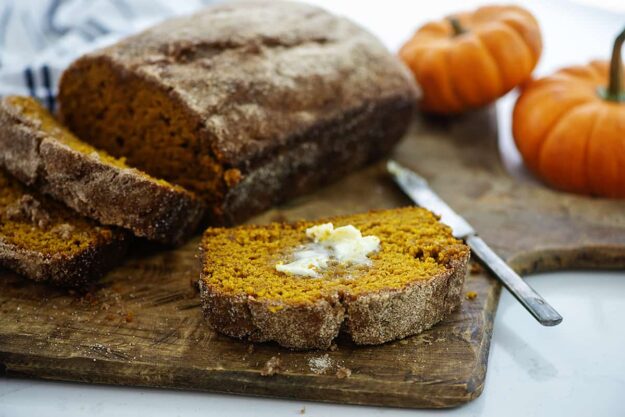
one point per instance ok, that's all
(608, 159)
(548, 137)
(450, 79)
(599, 114)
(535, 154)
(484, 35)
(480, 44)
(534, 54)
(489, 54)
(468, 85)
(519, 39)
(432, 101)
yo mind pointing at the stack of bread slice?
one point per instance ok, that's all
(49, 160)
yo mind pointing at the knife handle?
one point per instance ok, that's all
(531, 300)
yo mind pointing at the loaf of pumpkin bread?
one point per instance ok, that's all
(45, 241)
(246, 103)
(41, 153)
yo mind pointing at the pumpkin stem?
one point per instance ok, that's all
(615, 87)
(456, 26)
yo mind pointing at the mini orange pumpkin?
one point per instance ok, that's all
(570, 127)
(470, 59)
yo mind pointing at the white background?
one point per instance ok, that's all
(575, 369)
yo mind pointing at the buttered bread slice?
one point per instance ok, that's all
(377, 276)
(45, 241)
(40, 152)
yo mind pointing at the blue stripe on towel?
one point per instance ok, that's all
(103, 30)
(49, 18)
(47, 83)
(30, 81)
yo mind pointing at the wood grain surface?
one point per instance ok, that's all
(142, 325)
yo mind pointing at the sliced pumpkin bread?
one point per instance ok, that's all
(40, 152)
(246, 103)
(409, 283)
(46, 241)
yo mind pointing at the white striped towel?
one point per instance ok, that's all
(39, 38)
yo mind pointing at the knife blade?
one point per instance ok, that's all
(417, 188)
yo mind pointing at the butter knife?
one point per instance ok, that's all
(417, 188)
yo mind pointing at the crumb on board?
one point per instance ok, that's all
(272, 366)
(279, 217)
(476, 268)
(129, 317)
(343, 372)
(88, 298)
(320, 364)
(303, 410)
(471, 295)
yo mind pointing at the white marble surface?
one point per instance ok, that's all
(575, 369)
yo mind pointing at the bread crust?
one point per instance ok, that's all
(67, 271)
(110, 194)
(366, 133)
(388, 315)
(368, 319)
(312, 326)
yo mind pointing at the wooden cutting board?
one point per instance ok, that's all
(142, 325)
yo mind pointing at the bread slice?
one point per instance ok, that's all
(39, 151)
(45, 241)
(246, 103)
(413, 282)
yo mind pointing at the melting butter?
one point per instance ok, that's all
(344, 245)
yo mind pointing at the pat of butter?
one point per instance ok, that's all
(345, 245)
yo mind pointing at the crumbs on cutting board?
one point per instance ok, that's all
(320, 364)
(475, 268)
(272, 366)
(324, 363)
(342, 372)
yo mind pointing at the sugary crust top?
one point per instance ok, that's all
(253, 74)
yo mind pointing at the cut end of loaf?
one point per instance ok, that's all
(135, 118)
